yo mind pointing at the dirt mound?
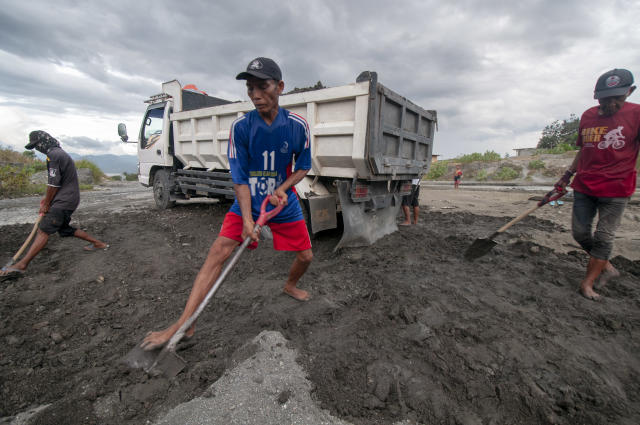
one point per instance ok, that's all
(404, 329)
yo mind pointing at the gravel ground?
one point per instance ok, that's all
(403, 330)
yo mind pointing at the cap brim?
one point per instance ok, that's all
(245, 75)
(619, 91)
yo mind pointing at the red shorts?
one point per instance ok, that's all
(286, 236)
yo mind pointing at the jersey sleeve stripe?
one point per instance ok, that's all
(232, 146)
(297, 118)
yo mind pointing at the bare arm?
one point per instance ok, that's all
(574, 165)
(281, 191)
(45, 203)
(566, 178)
(243, 195)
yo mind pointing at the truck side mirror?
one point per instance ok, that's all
(122, 132)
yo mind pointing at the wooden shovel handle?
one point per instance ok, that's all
(28, 241)
(517, 219)
(554, 194)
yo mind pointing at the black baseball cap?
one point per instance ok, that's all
(36, 137)
(613, 83)
(263, 68)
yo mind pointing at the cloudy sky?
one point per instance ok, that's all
(497, 71)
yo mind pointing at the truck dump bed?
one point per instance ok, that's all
(362, 130)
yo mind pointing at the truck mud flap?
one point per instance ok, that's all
(362, 227)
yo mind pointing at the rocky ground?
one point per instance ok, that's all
(404, 330)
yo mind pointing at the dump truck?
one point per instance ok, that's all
(367, 144)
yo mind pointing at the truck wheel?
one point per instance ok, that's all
(161, 193)
(304, 206)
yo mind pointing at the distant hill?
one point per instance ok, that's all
(111, 164)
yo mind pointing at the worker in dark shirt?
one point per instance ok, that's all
(60, 201)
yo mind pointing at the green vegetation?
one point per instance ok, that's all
(536, 164)
(14, 181)
(17, 168)
(28, 158)
(506, 173)
(487, 156)
(437, 170)
(559, 149)
(558, 133)
(317, 86)
(37, 166)
(116, 178)
(482, 175)
(15, 171)
(95, 171)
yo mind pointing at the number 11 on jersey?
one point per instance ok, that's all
(266, 155)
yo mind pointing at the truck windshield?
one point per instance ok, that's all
(152, 129)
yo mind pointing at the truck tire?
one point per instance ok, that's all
(304, 206)
(161, 190)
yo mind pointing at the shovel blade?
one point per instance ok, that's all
(478, 248)
(155, 362)
(137, 358)
(168, 364)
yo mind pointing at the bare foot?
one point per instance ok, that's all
(296, 293)
(158, 339)
(17, 267)
(589, 293)
(11, 272)
(96, 246)
(608, 273)
(405, 223)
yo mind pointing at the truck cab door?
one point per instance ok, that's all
(153, 141)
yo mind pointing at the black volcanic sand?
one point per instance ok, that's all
(404, 329)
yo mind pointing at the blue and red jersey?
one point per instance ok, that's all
(262, 157)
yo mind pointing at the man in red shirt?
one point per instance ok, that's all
(457, 176)
(605, 175)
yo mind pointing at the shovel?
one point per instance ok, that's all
(480, 247)
(25, 244)
(168, 362)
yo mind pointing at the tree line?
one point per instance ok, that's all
(560, 133)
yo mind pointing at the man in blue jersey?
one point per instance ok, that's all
(263, 145)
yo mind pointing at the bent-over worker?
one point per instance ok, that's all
(57, 206)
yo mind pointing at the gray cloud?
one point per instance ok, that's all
(481, 64)
(86, 143)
